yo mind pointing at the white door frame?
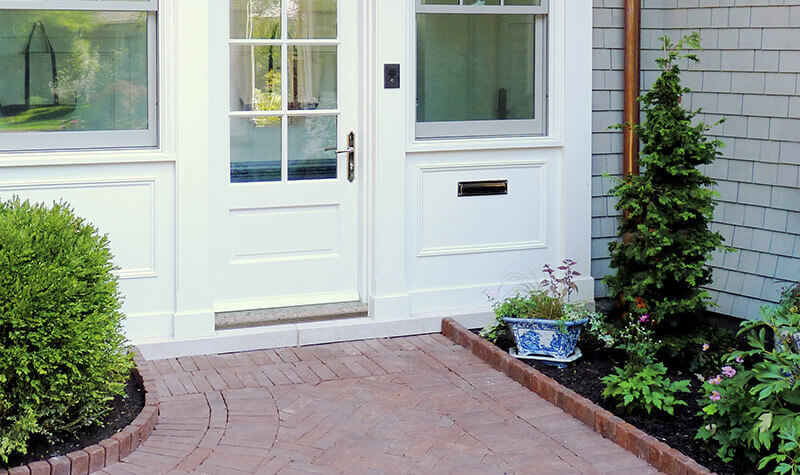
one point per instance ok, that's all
(349, 57)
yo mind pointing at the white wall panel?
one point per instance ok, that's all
(464, 246)
(450, 224)
(134, 206)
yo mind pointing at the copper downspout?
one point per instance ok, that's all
(633, 26)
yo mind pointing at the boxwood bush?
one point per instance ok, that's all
(63, 357)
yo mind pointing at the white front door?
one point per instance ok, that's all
(284, 202)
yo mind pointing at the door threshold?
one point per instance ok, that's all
(284, 315)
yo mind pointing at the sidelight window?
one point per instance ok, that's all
(481, 68)
(77, 74)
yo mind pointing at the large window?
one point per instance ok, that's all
(77, 74)
(481, 68)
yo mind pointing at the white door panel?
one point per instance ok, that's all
(285, 210)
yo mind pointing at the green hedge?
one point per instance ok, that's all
(62, 353)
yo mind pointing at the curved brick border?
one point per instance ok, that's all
(656, 453)
(108, 451)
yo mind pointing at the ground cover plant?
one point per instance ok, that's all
(63, 358)
(752, 406)
(642, 383)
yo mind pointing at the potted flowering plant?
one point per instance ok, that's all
(544, 322)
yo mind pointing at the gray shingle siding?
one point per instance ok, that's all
(750, 74)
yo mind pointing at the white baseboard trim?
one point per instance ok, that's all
(311, 333)
(148, 325)
(195, 324)
(390, 307)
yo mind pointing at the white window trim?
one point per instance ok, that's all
(103, 140)
(90, 5)
(478, 9)
(500, 128)
(553, 92)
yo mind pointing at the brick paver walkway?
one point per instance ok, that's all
(404, 405)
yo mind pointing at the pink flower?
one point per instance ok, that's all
(715, 396)
(644, 318)
(739, 359)
(716, 380)
(728, 371)
(706, 346)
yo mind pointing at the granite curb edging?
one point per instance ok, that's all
(655, 452)
(108, 451)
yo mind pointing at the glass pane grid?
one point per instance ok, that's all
(301, 130)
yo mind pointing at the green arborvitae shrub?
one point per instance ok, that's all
(62, 353)
(661, 260)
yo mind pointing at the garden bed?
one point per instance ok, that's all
(678, 431)
(131, 420)
(123, 410)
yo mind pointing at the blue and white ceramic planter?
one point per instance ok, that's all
(549, 338)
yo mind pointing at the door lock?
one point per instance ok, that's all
(351, 156)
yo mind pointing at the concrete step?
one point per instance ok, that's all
(278, 316)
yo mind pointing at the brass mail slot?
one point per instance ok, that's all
(483, 188)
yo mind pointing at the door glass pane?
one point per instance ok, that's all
(482, 2)
(87, 70)
(312, 19)
(312, 145)
(255, 78)
(255, 149)
(312, 83)
(475, 67)
(256, 19)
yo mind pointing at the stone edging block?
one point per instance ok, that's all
(653, 451)
(106, 452)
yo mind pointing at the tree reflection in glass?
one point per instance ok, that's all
(73, 70)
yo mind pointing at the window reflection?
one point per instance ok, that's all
(255, 78)
(255, 19)
(312, 19)
(73, 70)
(475, 67)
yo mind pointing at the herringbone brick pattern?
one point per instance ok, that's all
(404, 405)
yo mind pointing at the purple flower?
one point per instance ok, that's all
(728, 371)
(739, 359)
(706, 346)
(715, 396)
(644, 318)
(716, 380)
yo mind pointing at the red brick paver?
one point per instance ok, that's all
(404, 405)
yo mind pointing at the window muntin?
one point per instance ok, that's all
(481, 68)
(77, 74)
(284, 90)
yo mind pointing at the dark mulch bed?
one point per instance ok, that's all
(677, 431)
(124, 410)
